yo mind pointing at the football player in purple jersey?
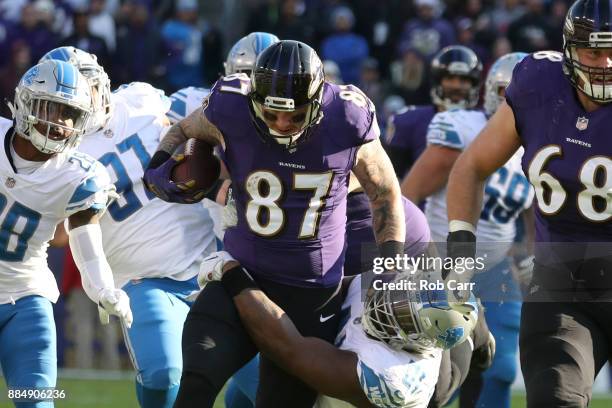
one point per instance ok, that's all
(558, 108)
(456, 77)
(291, 141)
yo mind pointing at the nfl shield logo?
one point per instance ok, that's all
(108, 133)
(582, 123)
(10, 182)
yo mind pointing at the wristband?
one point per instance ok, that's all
(390, 249)
(159, 158)
(460, 244)
(236, 280)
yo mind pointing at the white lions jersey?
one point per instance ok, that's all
(31, 206)
(186, 100)
(388, 377)
(143, 236)
(507, 191)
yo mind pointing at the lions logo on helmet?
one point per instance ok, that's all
(52, 106)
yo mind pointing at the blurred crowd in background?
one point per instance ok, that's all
(382, 46)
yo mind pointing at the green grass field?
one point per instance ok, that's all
(120, 394)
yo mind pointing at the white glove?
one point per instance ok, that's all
(230, 214)
(211, 268)
(115, 302)
(522, 267)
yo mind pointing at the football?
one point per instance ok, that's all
(198, 170)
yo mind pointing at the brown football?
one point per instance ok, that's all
(200, 165)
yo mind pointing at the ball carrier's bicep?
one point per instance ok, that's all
(493, 147)
(197, 126)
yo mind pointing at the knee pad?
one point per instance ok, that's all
(504, 368)
(161, 379)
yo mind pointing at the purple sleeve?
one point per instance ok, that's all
(417, 229)
(360, 114)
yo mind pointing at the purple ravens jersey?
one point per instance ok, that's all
(405, 138)
(291, 204)
(359, 232)
(568, 152)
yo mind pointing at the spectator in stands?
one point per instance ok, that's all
(35, 29)
(102, 24)
(409, 77)
(532, 31)
(19, 62)
(428, 32)
(83, 38)
(183, 40)
(140, 48)
(344, 47)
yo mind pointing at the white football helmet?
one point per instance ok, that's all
(243, 54)
(498, 78)
(52, 106)
(99, 81)
(417, 320)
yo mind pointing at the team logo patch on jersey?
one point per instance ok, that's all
(582, 123)
(10, 182)
(109, 133)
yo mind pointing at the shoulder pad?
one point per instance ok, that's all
(443, 130)
(381, 390)
(185, 101)
(93, 188)
(140, 94)
(226, 91)
(535, 79)
(357, 110)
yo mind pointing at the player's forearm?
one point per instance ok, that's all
(464, 192)
(193, 126)
(375, 173)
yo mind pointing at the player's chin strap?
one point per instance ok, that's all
(87, 251)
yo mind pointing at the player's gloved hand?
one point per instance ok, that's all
(157, 178)
(460, 246)
(211, 268)
(115, 302)
(230, 214)
(522, 267)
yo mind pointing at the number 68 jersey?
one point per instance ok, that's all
(291, 203)
(568, 152)
(31, 205)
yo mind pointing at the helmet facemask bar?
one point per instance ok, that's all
(394, 322)
(594, 82)
(440, 98)
(101, 98)
(313, 116)
(43, 113)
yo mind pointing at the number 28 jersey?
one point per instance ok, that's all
(31, 205)
(568, 152)
(291, 204)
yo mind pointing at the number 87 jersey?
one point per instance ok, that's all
(568, 152)
(291, 203)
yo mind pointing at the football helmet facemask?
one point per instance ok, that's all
(456, 60)
(52, 106)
